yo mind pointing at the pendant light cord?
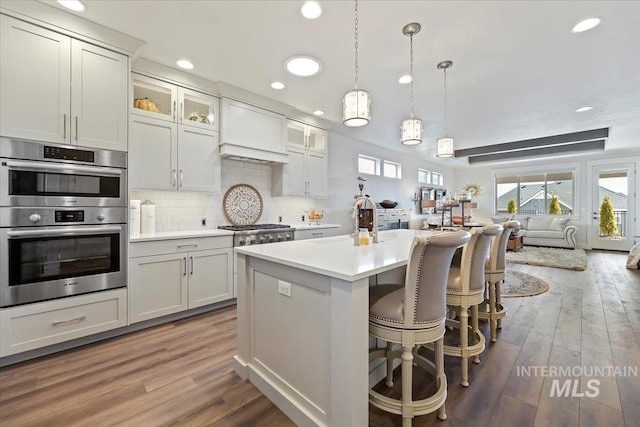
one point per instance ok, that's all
(411, 71)
(356, 43)
(445, 102)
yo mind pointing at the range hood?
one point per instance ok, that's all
(251, 154)
(252, 133)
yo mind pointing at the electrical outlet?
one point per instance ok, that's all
(302, 218)
(204, 222)
(284, 288)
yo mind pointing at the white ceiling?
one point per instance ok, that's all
(518, 72)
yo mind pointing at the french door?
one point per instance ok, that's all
(612, 222)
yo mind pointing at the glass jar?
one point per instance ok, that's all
(363, 236)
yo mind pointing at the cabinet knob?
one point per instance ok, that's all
(100, 218)
(35, 218)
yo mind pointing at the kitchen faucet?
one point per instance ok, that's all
(374, 232)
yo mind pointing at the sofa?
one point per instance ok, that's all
(544, 230)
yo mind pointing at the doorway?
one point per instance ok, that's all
(612, 226)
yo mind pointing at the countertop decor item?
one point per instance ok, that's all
(242, 205)
(388, 204)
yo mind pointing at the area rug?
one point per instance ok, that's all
(570, 259)
(517, 284)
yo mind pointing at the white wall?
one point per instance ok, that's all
(343, 173)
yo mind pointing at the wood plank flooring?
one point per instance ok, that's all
(180, 373)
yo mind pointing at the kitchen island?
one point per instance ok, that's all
(303, 335)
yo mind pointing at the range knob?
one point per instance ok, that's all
(288, 237)
(262, 239)
(35, 218)
(252, 242)
(271, 239)
(279, 237)
(100, 217)
(241, 242)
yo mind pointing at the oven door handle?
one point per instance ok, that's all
(53, 167)
(65, 231)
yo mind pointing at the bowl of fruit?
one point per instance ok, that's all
(388, 204)
(315, 215)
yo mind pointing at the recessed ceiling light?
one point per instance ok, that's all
(72, 4)
(583, 109)
(184, 63)
(311, 10)
(277, 85)
(585, 25)
(318, 112)
(302, 65)
(403, 80)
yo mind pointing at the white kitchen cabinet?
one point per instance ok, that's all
(174, 275)
(251, 132)
(166, 156)
(61, 90)
(306, 172)
(31, 326)
(162, 100)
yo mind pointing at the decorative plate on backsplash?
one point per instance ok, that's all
(242, 205)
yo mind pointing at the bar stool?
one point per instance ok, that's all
(465, 289)
(494, 273)
(412, 314)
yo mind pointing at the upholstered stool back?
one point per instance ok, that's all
(498, 254)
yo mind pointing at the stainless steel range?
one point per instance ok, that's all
(257, 234)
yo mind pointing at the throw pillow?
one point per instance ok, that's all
(633, 260)
(558, 224)
(539, 223)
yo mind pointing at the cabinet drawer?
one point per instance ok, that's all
(38, 325)
(159, 247)
(316, 233)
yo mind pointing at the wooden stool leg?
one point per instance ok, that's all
(389, 381)
(498, 303)
(407, 380)
(464, 344)
(492, 310)
(475, 329)
(439, 353)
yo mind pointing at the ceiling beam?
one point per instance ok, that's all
(587, 135)
(597, 145)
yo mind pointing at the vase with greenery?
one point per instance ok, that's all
(554, 206)
(608, 224)
(512, 208)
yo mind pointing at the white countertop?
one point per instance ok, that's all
(313, 226)
(184, 234)
(338, 257)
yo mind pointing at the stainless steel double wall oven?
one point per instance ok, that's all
(63, 215)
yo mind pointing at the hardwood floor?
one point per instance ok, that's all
(181, 374)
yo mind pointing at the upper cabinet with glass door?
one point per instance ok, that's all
(306, 137)
(166, 101)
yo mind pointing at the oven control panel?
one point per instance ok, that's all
(69, 216)
(38, 217)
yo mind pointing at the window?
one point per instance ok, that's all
(437, 178)
(392, 169)
(533, 192)
(369, 165)
(424, 176)
(428, 177)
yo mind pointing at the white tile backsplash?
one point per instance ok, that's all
(184, 210)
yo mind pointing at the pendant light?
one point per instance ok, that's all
(411, 131)
(445, 144)
(356, 104)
